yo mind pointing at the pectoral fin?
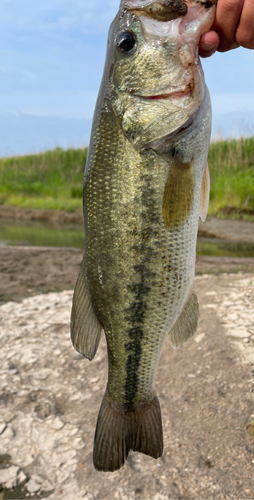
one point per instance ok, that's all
(178, 194)
(85, 326)
(205, 191)
(187, 322)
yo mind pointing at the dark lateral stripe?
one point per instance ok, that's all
(140, 288)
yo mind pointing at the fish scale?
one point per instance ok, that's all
(145, 184)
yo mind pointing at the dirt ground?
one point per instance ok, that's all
(206, 388)
(27, 271)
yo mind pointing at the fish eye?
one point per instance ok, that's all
(125, 41)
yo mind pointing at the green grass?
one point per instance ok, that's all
(231, 165)
(54, 179)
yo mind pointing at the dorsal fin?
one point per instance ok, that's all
(205, 191)
(187, 322)
(85, 326)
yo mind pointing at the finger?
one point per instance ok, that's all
(208, 44)
(245, 30)
(228, 13)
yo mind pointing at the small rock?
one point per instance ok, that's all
(93, 380)
(199, 337)
(57, 423)
(249, 355)
(21, 477)
(42, 374)
(241, 334)
(239, 345)
(28, 357)
(32, 486)
(232, 317)
(191, 375)
(9, 476)
(56, 352)
(42, 439)
(12, 371)
(8, 433)
(2, 427)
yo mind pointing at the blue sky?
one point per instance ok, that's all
(51, 61)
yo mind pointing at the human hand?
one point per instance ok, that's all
(233, 27)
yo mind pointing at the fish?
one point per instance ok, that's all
(146, 183)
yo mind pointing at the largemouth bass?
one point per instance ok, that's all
(145, 185)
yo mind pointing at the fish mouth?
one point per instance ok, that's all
(175, 94)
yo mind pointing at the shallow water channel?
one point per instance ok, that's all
(48, 234)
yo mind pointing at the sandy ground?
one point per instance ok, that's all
(50, 396)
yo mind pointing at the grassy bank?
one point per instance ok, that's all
(231, 165)
(54, 179)
(50, 180)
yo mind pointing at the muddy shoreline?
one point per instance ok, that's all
(27, 271)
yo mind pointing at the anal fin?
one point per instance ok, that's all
(205, 191)
(187, 322)
(121, 428)
(85, 326)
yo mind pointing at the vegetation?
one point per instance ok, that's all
(54, 179)
(231, 165)
(250, 428)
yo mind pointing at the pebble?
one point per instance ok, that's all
(7, 433)
(8, 477)
(241, 334)
(199, 337)
(2, 427)
(239, 345)
(249, 355)
(58, 424)
(34, 484)
(21, 477)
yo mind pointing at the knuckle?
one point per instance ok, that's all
(230, 5)
(245, 38)
(226, 45)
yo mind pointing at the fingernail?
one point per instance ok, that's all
(207, 46)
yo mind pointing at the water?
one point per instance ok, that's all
(41, 234)
(45, 234)
(224, 248)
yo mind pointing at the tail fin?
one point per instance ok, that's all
(121, 429)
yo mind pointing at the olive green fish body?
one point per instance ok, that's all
(142, 197)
